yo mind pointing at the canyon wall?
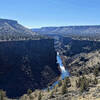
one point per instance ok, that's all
(72, 47)
(79, 56)
(29, 64)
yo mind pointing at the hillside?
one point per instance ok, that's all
(13, 27)
(12, 30)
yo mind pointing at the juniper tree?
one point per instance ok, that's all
(67, 81)
(29, 91)
(64, 89)
(96, 71)
(39, 96)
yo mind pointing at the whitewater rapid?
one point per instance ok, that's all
(64, 72)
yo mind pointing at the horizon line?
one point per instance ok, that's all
(63, 26)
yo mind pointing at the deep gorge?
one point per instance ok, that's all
(29, 64)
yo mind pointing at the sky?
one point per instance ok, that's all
(42, 13)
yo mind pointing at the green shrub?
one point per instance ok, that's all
(39, 96)
(29, 91)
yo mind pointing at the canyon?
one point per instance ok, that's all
(40, 60)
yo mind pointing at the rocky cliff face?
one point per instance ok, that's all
(79, 56)
(27, 65)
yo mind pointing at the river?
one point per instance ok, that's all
(64, 72)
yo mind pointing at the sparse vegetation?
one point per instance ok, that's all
(82, 83)
(96, 71)
(60, 83)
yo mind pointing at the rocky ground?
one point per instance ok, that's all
(73, 93)
(83, 63)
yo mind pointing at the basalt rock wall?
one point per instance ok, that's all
(27, 65)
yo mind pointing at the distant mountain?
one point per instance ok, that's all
(71, 30)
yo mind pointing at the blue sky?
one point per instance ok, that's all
(40, 13)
